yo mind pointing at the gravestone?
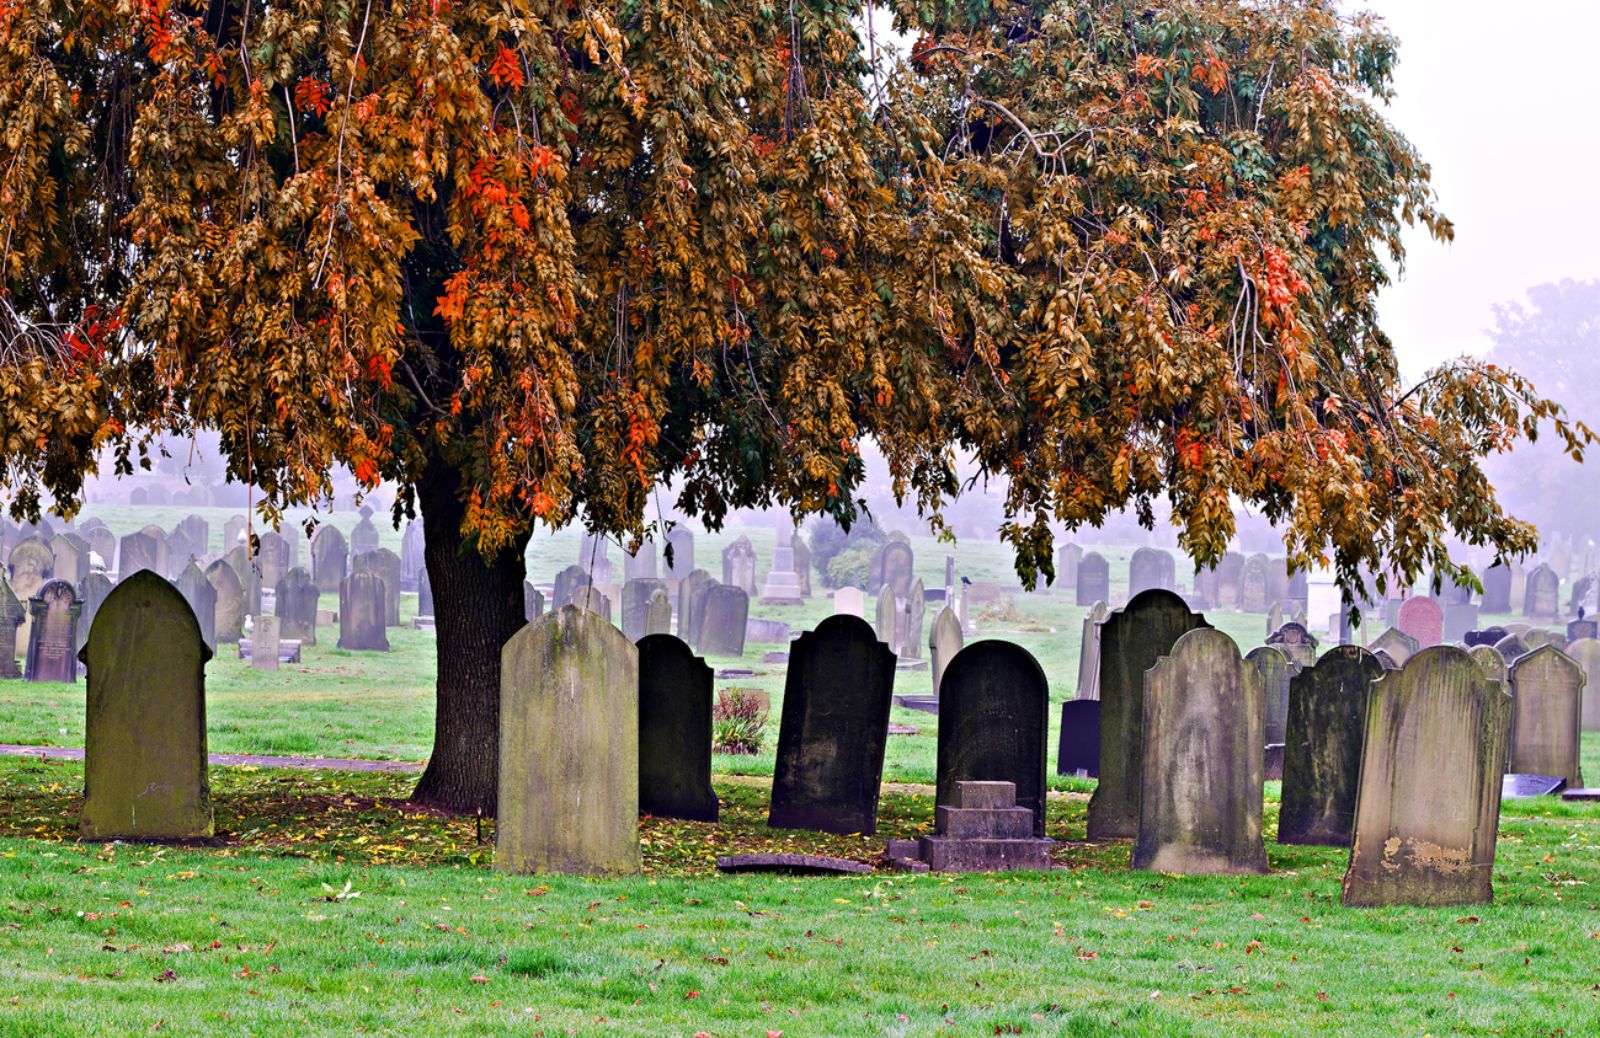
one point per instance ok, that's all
(589, 597)
(569, 748)
(567, 583)
(533, 602)
(71, 554)
(266, 643)
(11, 614)
(163, 558)
(144, 771)
(1542, 598)
(834, 729)
(1253, 585)
(1510, 648)
(1296, 642)
(180, 552)
(1546, 717)
(679, 557)
(899, 564)
(424, 593)
(1274, 618)
(228, 616)
(1229, 569)
(1493, 664)
(722, 625)
(1577, 630)
(96, 586)
(103, 543)
(850, 601)
(688, 618)
(1488, 636)
(202, 598)
(1447, 592)
(641, 565)
(1428, 800)
(636, 595)
(1423, 620)
(198, 531)
(945, 640)
(52, 634)
(1538, 638)
(1089, 652)
(739, 566)
(364, 536)
(233, 532)
(782, 585)
(911, 616)
(1587, 652)
(1459, 618)
(1207, 593)
(887, 622)
(802, 564)
(1151, 568)
(30, 565)
(361, 613)
(1067, 559)
(1322, 747)
(1079, 749)
(275, 557)
(330, 558)
(297, 600)
(1497, 589)
(658, 614)
(1203, 765)
(386, 565)
(1275, 670)
(674, 730)
(994, 724)
(1395, 644)
(412, 544)
(1094, 580)
(1132, 639)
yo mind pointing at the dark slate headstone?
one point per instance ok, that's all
(834, 729)
(11, 614)
(329, 558)
(425, 593)
(1577, 630)
(1525, 787)
(53, 634)
(994, 723)
(1151, 568)
(567, 583)
(1132, 639)
(202, 598)
(298, 599)
(723, 621)
(1489, 636)
(1497, 589)
(1094, 580)
(1200, 800)
(1428, 803)
(144, 771)
(1079, 749)
(361, 611)
(1322, 747)
(674, 731)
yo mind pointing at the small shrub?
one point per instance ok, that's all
(737, 721)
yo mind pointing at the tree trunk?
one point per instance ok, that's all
(478, 606)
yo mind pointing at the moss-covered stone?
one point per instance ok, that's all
(1322, 747)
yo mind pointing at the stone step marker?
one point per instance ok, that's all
(1322, 747)
(674, 731)
(145, 736)
(980, 829)
(994, 725)
(569, 748)
(1202, 765)
(1428, 803)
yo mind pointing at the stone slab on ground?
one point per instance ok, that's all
(793, 864)
(1517, 786)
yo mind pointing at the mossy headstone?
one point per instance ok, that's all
(994, 724)
(228, 616)
(674, 730)
(1322, 747)
(1396, 644)
(1542, 593)
(361, 613)
(1546, 721)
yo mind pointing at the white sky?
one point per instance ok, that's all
(1500, 99)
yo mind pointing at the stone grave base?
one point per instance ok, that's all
(792, 864)
(288, 650)
(910, 664)
(422, 623)
(1586, 795)
(983, 831)
(924, 704)
(1521, 787)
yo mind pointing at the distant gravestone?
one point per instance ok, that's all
(1488, 636)
(834, 729)
(297, 601)
(1587, 652)
(1276, 670)
(850, 601)
(567, 583)
(1089, 653)
(944, 641)
(198, 531)
(228, 617)
(1094, 580)
(274, 558)
(1577, 630)
(594, 558)
(1493, 664)
(361, 613)
(11, 614)
(1207, 593)
(1067, 560)
(1428, 803)
(1396, 644)
(144, 772)
(679, 558)
(1538, 638)
(1253, 589)
(569, 748)
(412, 544)
(364, 537)
(636, 596)
(424, 593)
(1322, 747)
(590, 597)
(739, 566)
(887, 619)
(329, 558)
(994, 724)
(1497, 589)
(674, 731)
(533, 602)
(1132, 639)
(1510, 648)
(1423, 620)
(911, 617)
(96, 586)
(1542, 599)
(266, 642)
(1296, 642)
(688, 618)
(722, 626)
(202, 598)
(899, 564)
(180, 552)
(1202, 767)
(658, 614)
(52, 636)
(233, 533)
(71, 554)
(1079, 749)
(386, 564)
(1546, 719)
(1151, 568)
(30, 565)
(641, 565)
(802, 564)
(1229, 569)
(102, 542)
(1459, 618)
(782, 586)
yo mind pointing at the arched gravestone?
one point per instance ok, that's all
(636, 595)
(202, 598)
(1079, 748)
(364, 536)
(1276, 671)
(1295, 642)
(1510, 647)
(1497, 589)
(144, 771)
(688, 618)
(567, 583)
(1151, 568)
(726, 611)
(297, 600)
(163, 556)
(180, 552)
(1229, 568)
(1428, 802)
(1067, 559)
(850, 601)
(361, 608)
(1322, 747)
(674, 731)
(994, 724)
(1542, 598)
(1254, 591)
(52, 633)
(641, 565)
(103, 543)
(1423, 620)
(678, 555)
(386, 564)
(899, 564)
(1587, 652)
(569, 748)
(412, 544)
(911, 617)
(739, 565)
(30, 565)
(274, 558)
(1577, 630)
(589, 597)
(71, 557)
(1538, 638)
(834, 729)
(658, 614)
(1396, 644)
(96, 587)
(1132, 639)
(944, 641)
(229, 613)
(1298, 593)
(1493, 664)
(1089, 652)
(1488, 636)
(1094, 580)
(1203, 762)
(1546, 718)
(11, 614)
(329, 558)
(887, 619)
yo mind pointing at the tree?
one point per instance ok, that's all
(533, 260)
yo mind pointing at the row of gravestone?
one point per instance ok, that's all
(712, 616)
(787, 583)
(1251, 584)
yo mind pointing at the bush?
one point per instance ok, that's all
(828, 541)
(738, 721)
(849, 567)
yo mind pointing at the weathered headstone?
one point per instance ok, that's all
(802, 564)
(1542, 599)
(1510, 648)
(1276, 670)
(11, 614)
(103, 543)
(1132, 639)
(361, 613)
(1253, 585)
(228, 616)
(71, 554)
(329, 558)
(945, 640)
(297, 600)
(1538, 638)
(424, 593)
(1079, 748)
(658, 614)
(1067, 559)
(567, 583)
(1229, 569)
(1428, 802)
(641, 565)
(994, 724)
(1546, 719)
(834, 729)
(1322, 747)
(386, 564)
(887, 621)
(266, 641)
(674, 730)
(1459, 618)
(782, 586)
(1089, 653)
(723, 621)
(636, 595)
(1151, 568)
(533, 602)
(233, 532)
(52, 636)
(591, 598)
(850, 601)
(1094, 580)
(1587, 652)
(899, 565)
(569, 748)
(689, 598)
(911, 616)
(31, 565)
(364, 536)
(1493, 664)
(1207, 591)
(412, 544)
(1497, 589)
(680, 548)
(180, 552)
(739, 565)
(1423, 620)
(1577, 630)
(202, 598)
(1296, 642)
(1202, 767)
(144, 772)
(1395, 644)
